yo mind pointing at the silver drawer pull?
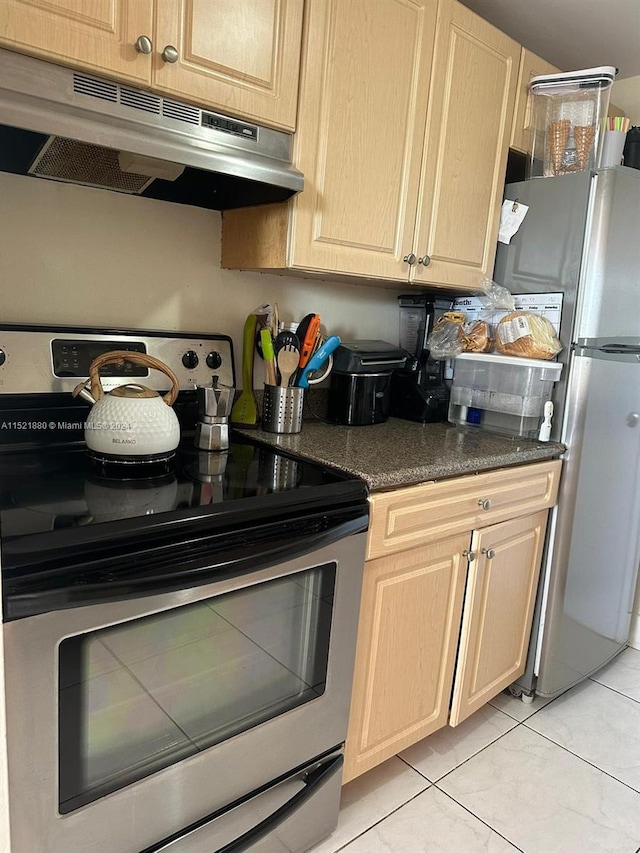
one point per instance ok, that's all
(484, 503)
(409, 259)
(470, 555)
(488, 552)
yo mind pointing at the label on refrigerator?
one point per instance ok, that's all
(548, 305)
(511, 217)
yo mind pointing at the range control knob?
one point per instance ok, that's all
(214, 360)
(190, 359)
(3, 357)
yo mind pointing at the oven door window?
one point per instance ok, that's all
(140, 696)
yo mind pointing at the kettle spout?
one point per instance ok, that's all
(81, 390)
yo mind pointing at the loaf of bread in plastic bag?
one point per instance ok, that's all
(528, 335)
(476, 337)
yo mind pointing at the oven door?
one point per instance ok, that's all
(133, 721)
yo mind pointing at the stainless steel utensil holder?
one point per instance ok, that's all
(282, 409)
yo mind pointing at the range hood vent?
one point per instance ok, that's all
(68, 126)
(90, 165)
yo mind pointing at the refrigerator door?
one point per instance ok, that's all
(609, 295)
(593, 563)
(545, 255)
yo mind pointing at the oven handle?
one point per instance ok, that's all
(313, 782)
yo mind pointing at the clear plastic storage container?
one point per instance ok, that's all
(567, 112)
(500, 393)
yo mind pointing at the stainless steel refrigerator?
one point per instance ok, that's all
(581, 237)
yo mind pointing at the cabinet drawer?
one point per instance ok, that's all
(416, 515)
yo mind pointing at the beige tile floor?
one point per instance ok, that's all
(560, 776)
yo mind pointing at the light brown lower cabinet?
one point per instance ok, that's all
(498, 608)
(444, 626)
(407, 642)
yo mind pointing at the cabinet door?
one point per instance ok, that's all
(530, 66)
(498, 611)
(98, 35)
(407, 640)
(238, 56)
(363, 104)
(470, 115)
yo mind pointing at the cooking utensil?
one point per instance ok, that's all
(132, 422)
(269, 357)
(303, 325)
(307, 338)
(318, 359)
(264, 316)
(286, 338)
(245, 409)
(288, 358)
(214, 408)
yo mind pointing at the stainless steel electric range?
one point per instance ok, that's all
(178, 647)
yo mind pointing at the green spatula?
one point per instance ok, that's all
(245, 409)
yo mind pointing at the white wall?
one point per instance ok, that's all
(626, 95)
(76, 255)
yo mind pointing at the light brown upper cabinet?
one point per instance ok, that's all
(241, 55)
(98, 35)
(530, 66)
(403, 129)
(364, 95)
(237, 56)
(463, 168)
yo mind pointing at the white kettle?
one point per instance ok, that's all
(131, 422)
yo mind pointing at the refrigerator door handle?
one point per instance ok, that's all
(622, 349)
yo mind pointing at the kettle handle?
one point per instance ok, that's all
(134, 358)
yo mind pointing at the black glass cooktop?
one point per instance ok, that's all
(59, 497)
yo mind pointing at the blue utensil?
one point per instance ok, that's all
(318, 359)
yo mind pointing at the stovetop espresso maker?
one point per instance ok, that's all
(214, 410)
(419, 391)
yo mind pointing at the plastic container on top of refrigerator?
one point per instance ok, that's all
(502, 394)
(567, 114)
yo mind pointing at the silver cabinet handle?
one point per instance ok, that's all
(144, 44)
(425, 260)
(470, 555)
(488, 552)
(170, 54)
(409, 259)
(485, 504)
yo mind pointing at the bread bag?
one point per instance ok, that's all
(528, 335)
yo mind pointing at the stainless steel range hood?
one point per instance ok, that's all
(71, 126)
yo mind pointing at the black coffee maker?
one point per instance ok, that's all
(419, 391)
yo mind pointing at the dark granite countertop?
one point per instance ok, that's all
(402, 453)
